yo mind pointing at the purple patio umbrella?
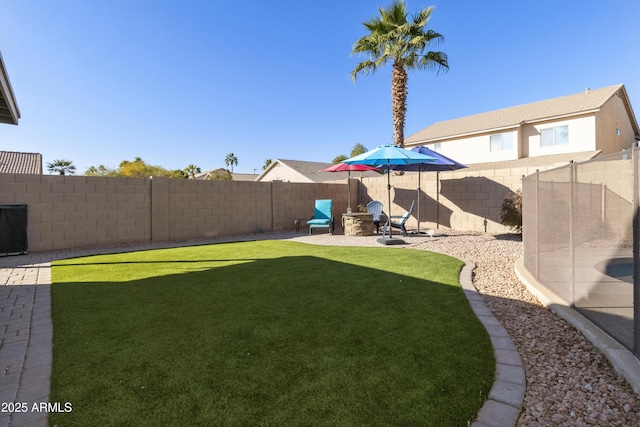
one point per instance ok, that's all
(442, 163)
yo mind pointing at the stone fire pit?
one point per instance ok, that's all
(358, 224)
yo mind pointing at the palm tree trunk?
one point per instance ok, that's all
(399, 79)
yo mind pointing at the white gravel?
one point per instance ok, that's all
(569, 382)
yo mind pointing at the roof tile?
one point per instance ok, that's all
(14, 162)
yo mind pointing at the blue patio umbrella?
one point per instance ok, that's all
(442, 163)
(389, 157)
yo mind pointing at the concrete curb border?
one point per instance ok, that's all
(505, 399)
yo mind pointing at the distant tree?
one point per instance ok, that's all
(392, 37)
(137, 168)
(179, 174)
(62, 167)
(231, 160)
(267, 163)
(140, 169)
(339, 159)
(358, 149)
(220, 176)
(192, 170)
(100, 171)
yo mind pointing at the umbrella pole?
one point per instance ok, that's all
(389, 193)
(437, 200)
(419, 173)
(349, 191)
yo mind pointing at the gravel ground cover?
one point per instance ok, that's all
(569, 382)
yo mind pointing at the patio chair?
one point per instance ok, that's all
(375, 207)
(322, 216)
(400, 223)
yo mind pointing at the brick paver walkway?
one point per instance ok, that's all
(25, 339)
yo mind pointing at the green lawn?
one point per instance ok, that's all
(266, 333)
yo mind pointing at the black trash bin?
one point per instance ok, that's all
(13, 229)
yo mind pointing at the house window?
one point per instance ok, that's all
(501, 141)
(558, 135)
(437, 146)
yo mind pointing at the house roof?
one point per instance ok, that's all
(9, 112)
(564, 106)
(311, 170)
(234, 176)
(542, 162)
(206, 174)
(244, 176)
(13, 162)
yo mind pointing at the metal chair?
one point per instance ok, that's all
(399, 224)
(375, 207)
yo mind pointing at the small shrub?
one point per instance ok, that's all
(511, 214)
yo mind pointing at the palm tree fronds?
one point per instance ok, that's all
(393, 37)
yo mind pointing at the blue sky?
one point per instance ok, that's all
(186, 82)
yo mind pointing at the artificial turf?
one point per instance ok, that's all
(266, 333)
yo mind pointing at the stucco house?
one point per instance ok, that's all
(599, 120)
(303, 171)
(9, 112)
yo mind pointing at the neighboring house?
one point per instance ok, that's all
(207, 174)
(9, 112)
(591, 121)
(27, 163)
(234, 176)
(244, 176)
(301, 171)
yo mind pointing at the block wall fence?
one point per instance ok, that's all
(466, 199)
(66, 212)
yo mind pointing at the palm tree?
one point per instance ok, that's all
(267, 163)
(393, 38)
(62, 167)
(231, 160)
(192, 170)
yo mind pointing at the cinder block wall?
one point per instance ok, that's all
(78, 211)
(466, 199)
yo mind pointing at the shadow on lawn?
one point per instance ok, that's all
(288, 340)
(185, 261)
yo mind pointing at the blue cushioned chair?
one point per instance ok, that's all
(322, 216)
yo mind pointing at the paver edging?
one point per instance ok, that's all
(504, 402)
